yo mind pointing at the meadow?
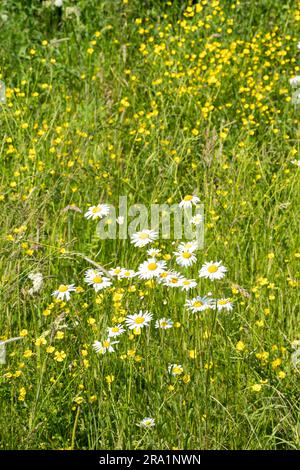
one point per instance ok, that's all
(161, 102)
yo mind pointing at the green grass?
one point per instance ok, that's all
(153, 101)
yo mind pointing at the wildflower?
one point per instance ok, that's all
(143, 237)
(213, 270)
(224, 304)
(97, 212)
(296, 162)
(164, 323)
(138, 320)
(240, 346)
(127, 273)
(103, 347)
(151, 268)
(37, 282)
(114, 331)
(173, 279)
(188, 201)
(175, 369)
(147, 423)
(96, 279)
(187, 284)
(185, 258)
(197, 219)
(109, 379)
(256, 387)
(22, 394)
(116, 271)
(294, 81)
(153, 252)
(199, 304)
(188, 246)
(59, 356)
(63, 292)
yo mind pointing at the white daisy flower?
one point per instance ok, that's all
(185, 258)
(296, 162)
(213, 270)
(144, 237)
(294, 81)
(197, 219)
(138, 320)
(151, 268)
(188, 246)
(164, 323)
(115, 330)
(96, 279)
(116, 271)
(101, 347)
(175, 369)
(126, 273)
(173, 279)
(187, 284)
(153, 252)
(97, 212)
(63, 292)
(199, 304)
(147, 423)
(224, 304)
(188, 201)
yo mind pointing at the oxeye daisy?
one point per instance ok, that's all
(146, 423)
(199, 304)
(294, 81)
(188, 201)
(187, 284)
(188, 246)
(101, 347)
(213, 270)
(185, 258)
(175, 369)
(126, 273)
(296, 162)
(116, 271)
(144, 237)
(153, 252)
(96, 279)
(173, 279)
(63, 292)
(151, 268)
(197, 219)
(138, 320)
(224, 304)
(97, 212)
(164, 323)
(115, 330)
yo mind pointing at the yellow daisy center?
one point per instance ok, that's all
(106, 343)
(115, 329)
(212, 269)
(152, 266)
(174, 280)
(63, 288)
(186, 255)
(97, 280)
(139, 320)
(95, 210)
(223, 301)
(144, 236)
(177, 370)
(198, 303)
(188, 198)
